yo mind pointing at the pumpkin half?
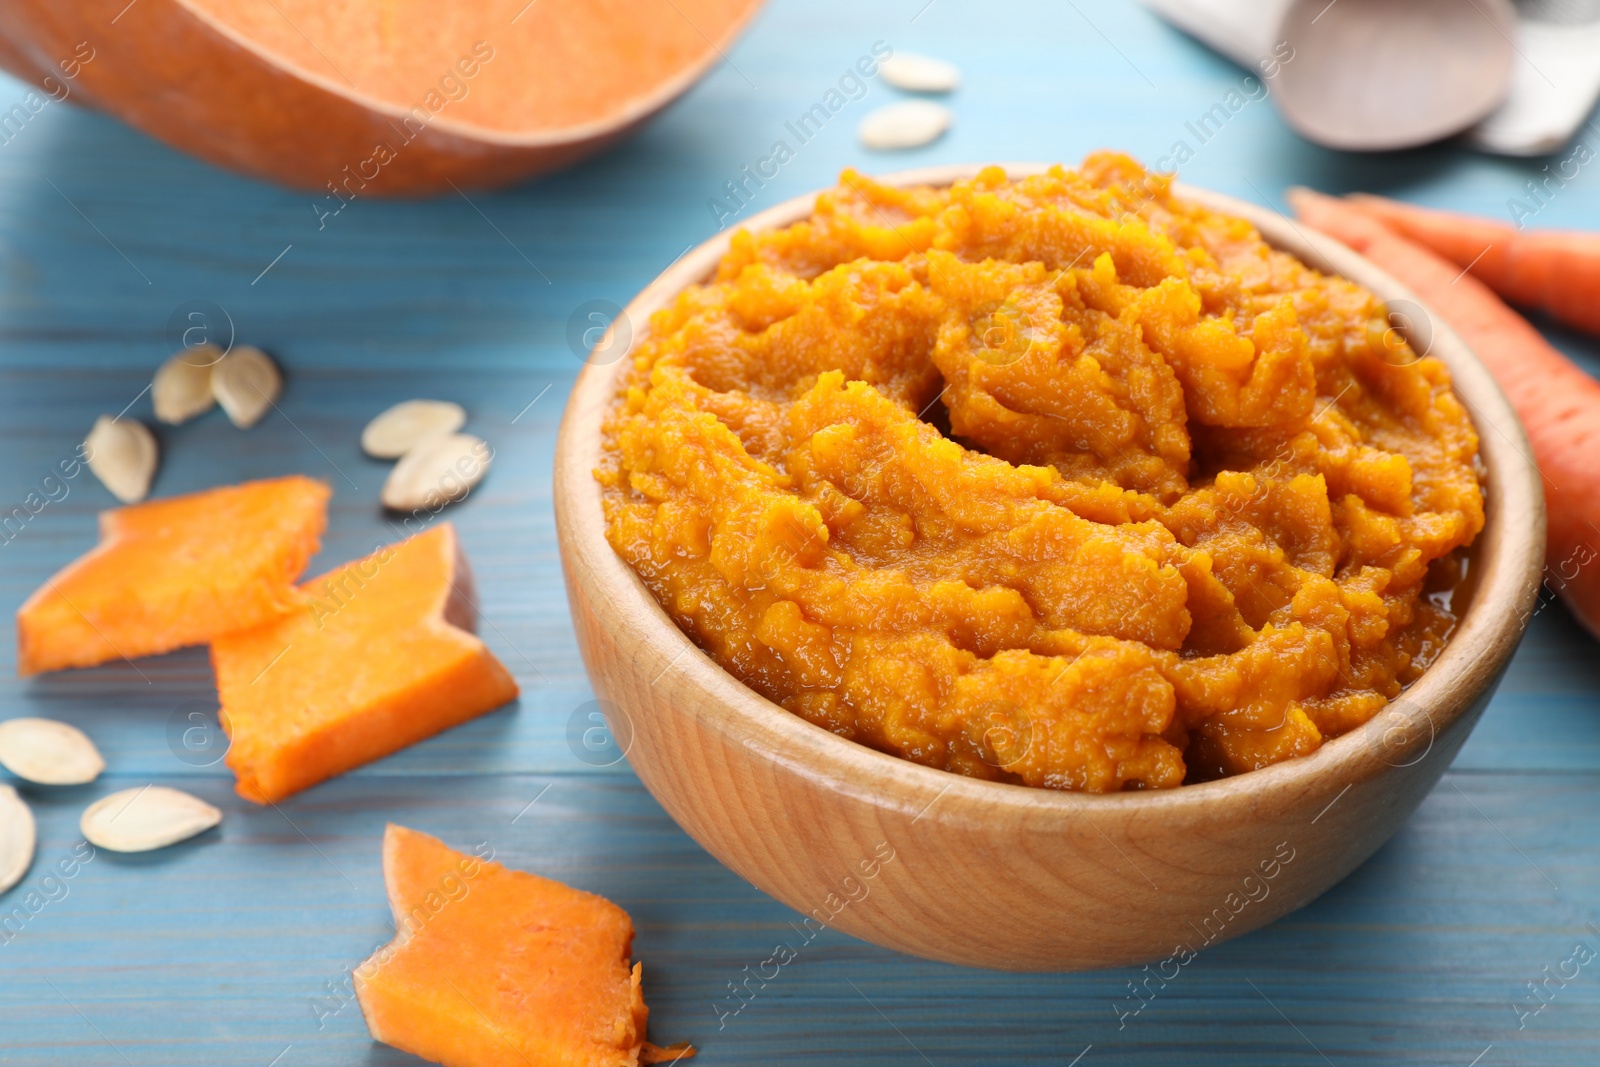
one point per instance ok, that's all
(355, 98)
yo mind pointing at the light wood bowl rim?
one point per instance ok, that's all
(1509, 561)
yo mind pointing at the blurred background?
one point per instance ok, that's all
(236, 950)
(111, 233)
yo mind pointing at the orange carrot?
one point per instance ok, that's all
(1553, 270)
(1558, 403)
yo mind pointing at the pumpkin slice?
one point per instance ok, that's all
(379, 655)
(491, 966)
(175, 572)
(370, 97)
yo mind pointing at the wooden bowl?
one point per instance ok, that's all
(1004, 876)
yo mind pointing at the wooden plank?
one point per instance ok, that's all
(217, 952)
(224, 949)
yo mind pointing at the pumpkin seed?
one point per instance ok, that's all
(146, 818)
(408, 424)
(439, 471)
(17, 838)
(182, 386)
(919, 74)
(908, 124)
(49, 752)
(122, 454)
(246, 382)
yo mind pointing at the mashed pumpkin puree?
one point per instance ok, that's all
(1062, 481)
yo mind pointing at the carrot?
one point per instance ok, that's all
(1558, 403)
(1553, 270)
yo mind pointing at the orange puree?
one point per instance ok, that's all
(1062, 481)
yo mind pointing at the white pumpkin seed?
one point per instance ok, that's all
(49, 752)
(908, 124)
(122, 453)
(440, 470)
(17, 838)
(919, 74)
(146, 818)
(408, 424)
(182, 387)
(246, 382)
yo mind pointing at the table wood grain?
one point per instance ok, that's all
(235, 948)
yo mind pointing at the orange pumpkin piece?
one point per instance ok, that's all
(380, 655)
(491, 966)
(175, 572)
(364, 97)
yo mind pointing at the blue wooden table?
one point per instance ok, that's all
(235, 948)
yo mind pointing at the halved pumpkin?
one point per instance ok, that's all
(379, 655)
(364, 97)
(175, 572)
(491, 966)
